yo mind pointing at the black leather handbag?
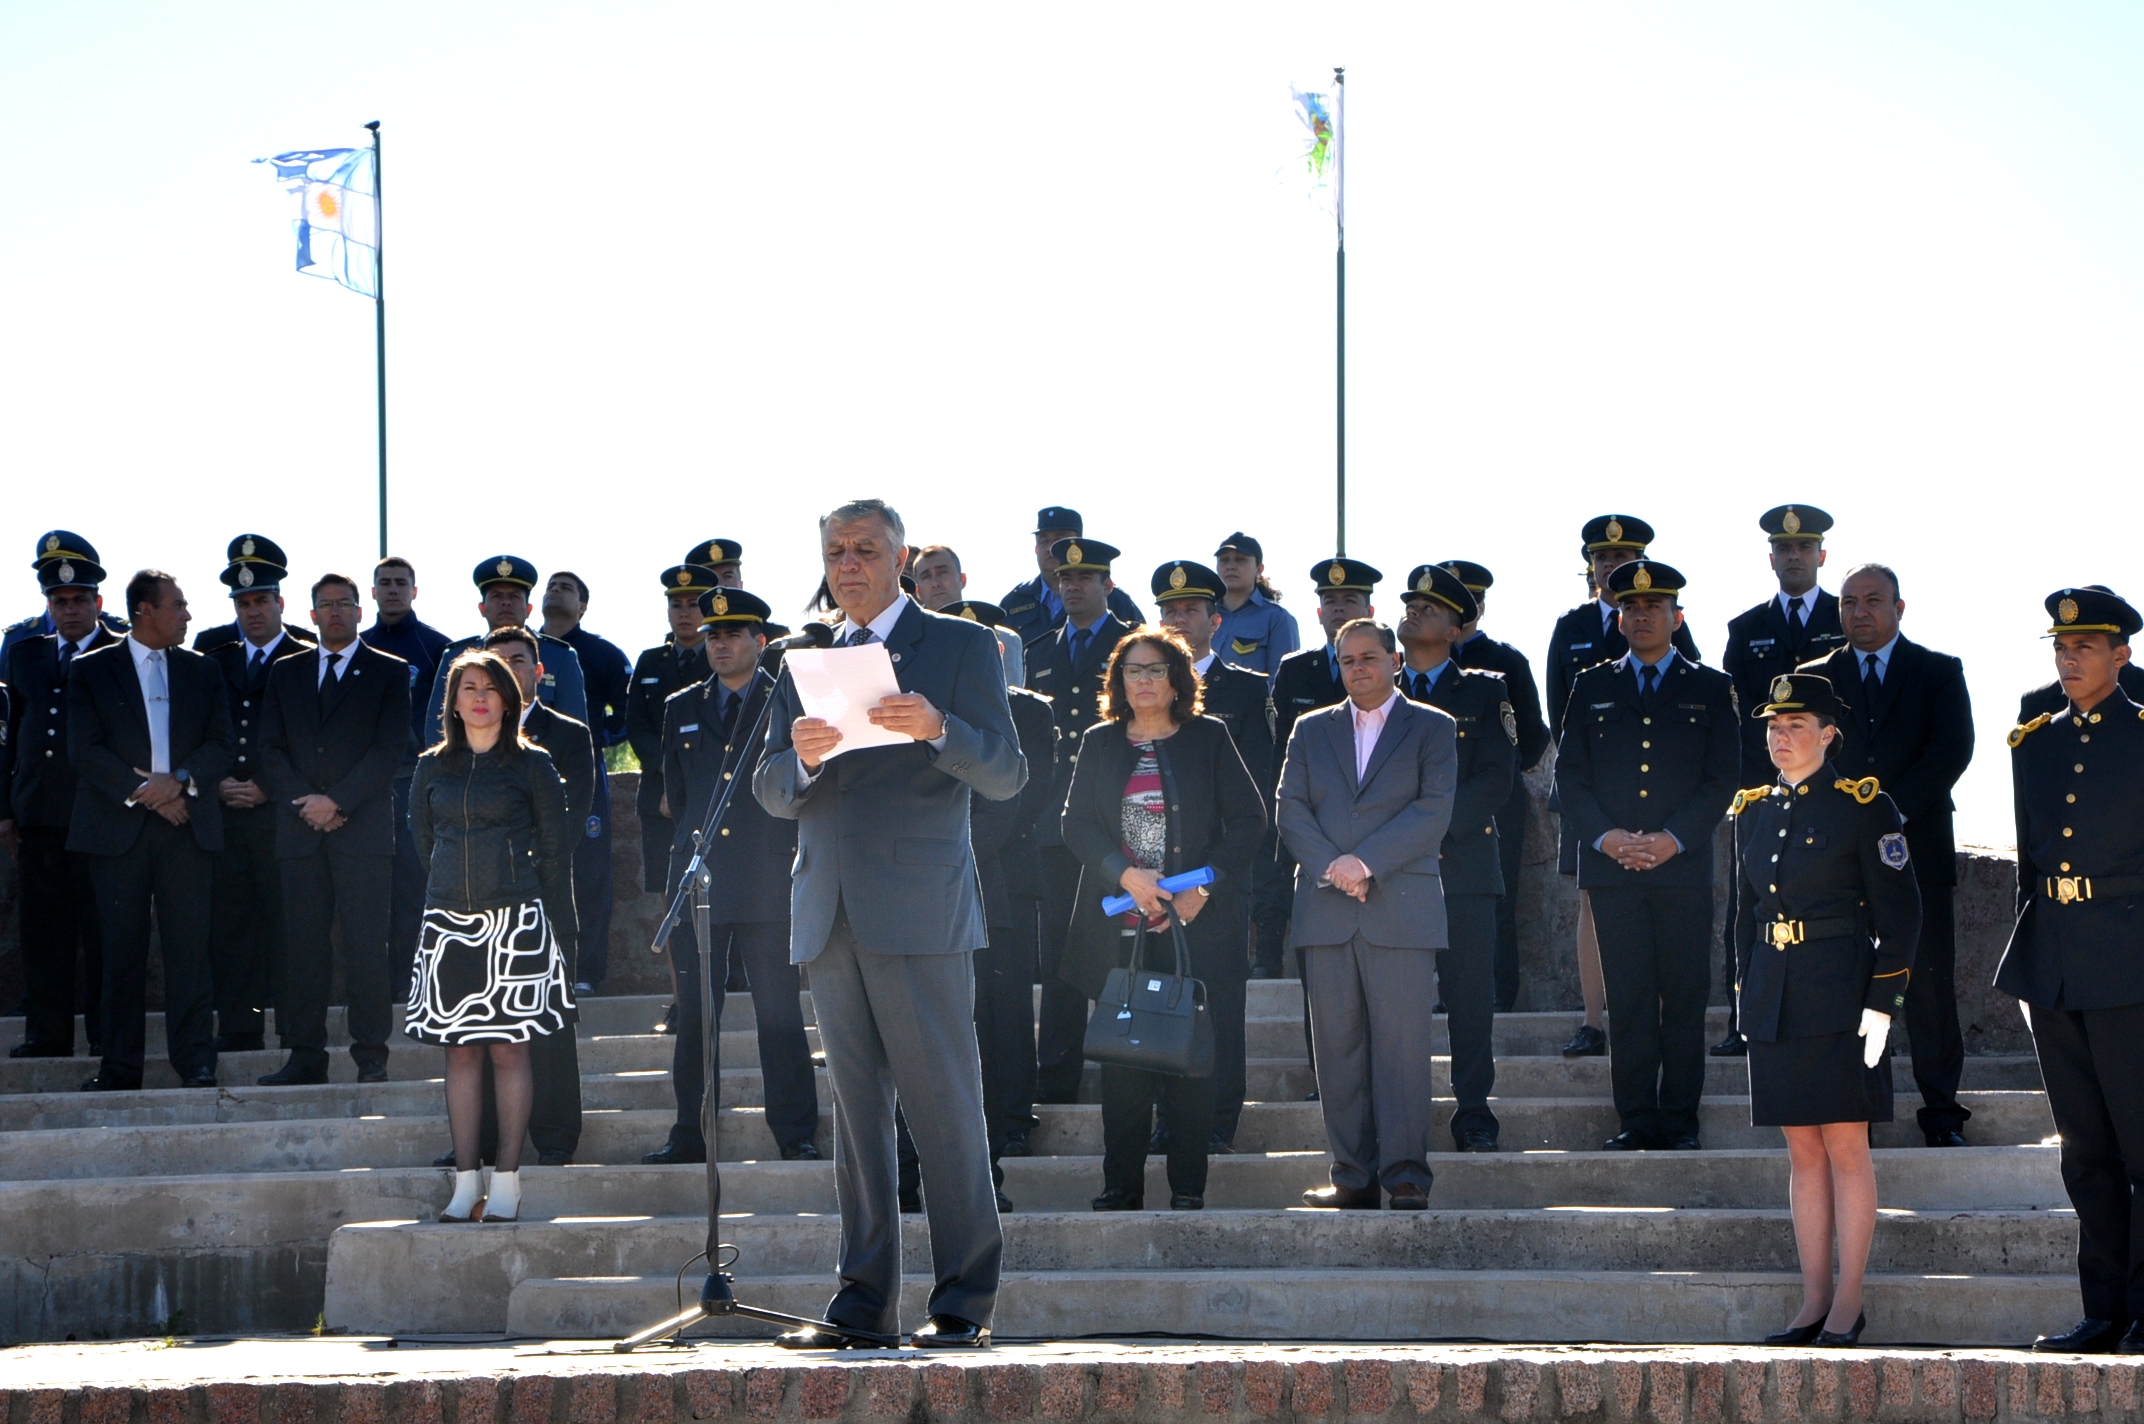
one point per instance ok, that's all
(1152, 1019)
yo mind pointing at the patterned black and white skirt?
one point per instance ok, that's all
(495, 976)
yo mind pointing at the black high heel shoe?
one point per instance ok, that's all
(1796, 1334)
(1832, 1339)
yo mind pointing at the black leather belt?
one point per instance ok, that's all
(1781, 933)
(2067, 889)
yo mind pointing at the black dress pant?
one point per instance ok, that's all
(1272, 899)
(1225, 1008)
(2092, 1061)
(164, 874)
(246, 922)
(406, 919)
(1061, 1026)
(593, 885)
(62, 953)
(1932, 1015)
(316, 889)
(1511, 859)
(1005, 1024)
(1656, 958)
(791, 1094)
(1128, 1100)
(1466, 981)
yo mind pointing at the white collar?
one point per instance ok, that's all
(142, 651)
(1786, 600)
(1882, 655)
(267, 648)
(882, 626)
(1204, 663)
(348, 651)
(1384, 713)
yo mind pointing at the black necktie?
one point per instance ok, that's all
(253, 668)
(328, 676)
(1421, 687)
(66, 657)
(1081, 637)
(730, 702)
(1648, 680)
(1795, 621)
(860, 637)
(1871, 684)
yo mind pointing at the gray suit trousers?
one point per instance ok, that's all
(905, 1024)
(1370, 1008)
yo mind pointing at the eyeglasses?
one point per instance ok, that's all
(337, 605)
(1146, 672)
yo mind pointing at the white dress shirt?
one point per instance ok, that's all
(1204, 663)
(1787, 601)
(1368, 727)
(341, 662)
(881, 627)
(1883, 661)
(153, 670)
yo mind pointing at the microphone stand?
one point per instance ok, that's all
(716, 1295)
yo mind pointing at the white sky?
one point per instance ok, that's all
(662, 272)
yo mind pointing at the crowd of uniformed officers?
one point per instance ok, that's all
(250, 797)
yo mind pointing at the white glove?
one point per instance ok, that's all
(1876, 1028)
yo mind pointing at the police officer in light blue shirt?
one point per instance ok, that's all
(1256, 632)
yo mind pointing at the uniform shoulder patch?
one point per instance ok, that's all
(1511, 721)
(1891, 848)
(2025, 729)
(1748, 798)
(1865, 790)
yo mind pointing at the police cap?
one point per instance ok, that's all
(691, 578)
(1802, 692)
(976, 611)
(1475, 576)
(2091, 609)
(1185, 579)
(1242, 543)
(257, 564)
(62, 544)
(714, 553)
(1795, 521)
(1644, 576)
(1075, 554)
(505, 568)
(1343, 573)
(1617, 531)
(69, 573)
(732, 605)
(1058, 518)
(1441, 585)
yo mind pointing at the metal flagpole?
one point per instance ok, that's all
(1340, 304)
(379, 327)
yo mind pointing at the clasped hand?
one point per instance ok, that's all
(1349, 876)
(1639, 850)
(320, 812)
(1144, 886)
(162, 793)
(908, 712)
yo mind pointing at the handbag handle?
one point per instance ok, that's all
(1177, 942)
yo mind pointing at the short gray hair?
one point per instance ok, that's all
(856, 509)
(1383, 631)
(1882, 571)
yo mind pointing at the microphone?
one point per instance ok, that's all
(811, 635)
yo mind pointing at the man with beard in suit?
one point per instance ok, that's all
(1909, 724)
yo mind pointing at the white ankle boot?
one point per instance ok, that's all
(468, 1201)
(504, 1203)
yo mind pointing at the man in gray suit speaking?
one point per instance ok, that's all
(1365, 797)
(885, 909)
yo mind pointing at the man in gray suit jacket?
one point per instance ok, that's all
(1365, 798)
(886, 911)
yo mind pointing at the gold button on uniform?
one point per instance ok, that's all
(1644, 767)
(2071, 797)
(2065, 865)
(1648, 721)
(2085, 737)
(2078, 767)
(1772, 889)
(1647, 745)
(2066, 831)
(1643, 792)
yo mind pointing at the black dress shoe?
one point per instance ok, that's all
(1624, 1142)
(1407, 1196)
(554, 1159)
(1479, 1139)
(293, 1073)
(1219, 1146)
(2133, 1342)
(1158, 1144)
(1685, 1142)
(805, 1151)
(198, 1078)
(1796, 1334)
(444, 1159)
(240, 1043)
(41, 1050)
(1184, 1201)
(950, 1332)
(1588, 1042)
(1345, 1198)
(1004, 1203)
(813, 1338)
(2086, 1337)
(911, 1203)
(1016, 1146)
(1311, 1096)
(372, 1073)
(672, 1155)
(1117, 1199)
(1732, 1046)
(1948, 1137)
(111, 1083)
(1841, 1339)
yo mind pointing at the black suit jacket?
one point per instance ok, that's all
(571, 743)
(1488, 746)
(1003, 831)
(344, 741)
(1524, 694)
(39, 788)
(659, 673)
(753, 851)
(1305, 682)
(248, 696)
(1664, 764)
(108, 736)
(1760, 646)
(1917, 741)
(1579, 643)
(1243, 702)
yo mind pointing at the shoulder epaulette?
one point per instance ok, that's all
(1746, 799)
(2025, 729)
(1864, 790)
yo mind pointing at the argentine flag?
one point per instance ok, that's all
(338, 220)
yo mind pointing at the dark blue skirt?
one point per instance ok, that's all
(1806, 1082)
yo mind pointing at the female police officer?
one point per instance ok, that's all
(1828, 917)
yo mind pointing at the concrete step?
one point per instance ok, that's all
(1539, 1306)
(434, 1279)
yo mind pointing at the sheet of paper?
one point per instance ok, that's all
(841, 686)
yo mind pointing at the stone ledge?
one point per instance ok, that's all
(1131, 1383)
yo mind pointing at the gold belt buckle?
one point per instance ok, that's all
(2072, 887)
(1781, 933)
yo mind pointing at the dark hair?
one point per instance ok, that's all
(453, 738)
(147, 586)
(1265, 586)
(344, 579)
(929, 549)
(1189, 698)
(578, 582)
(513, 633)
(1882, 571)
(1384, 633)
(395, 561)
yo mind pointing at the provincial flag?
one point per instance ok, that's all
(1319, 115)
(338, 222)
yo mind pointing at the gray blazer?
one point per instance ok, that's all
(1394, 822)
(884, 830)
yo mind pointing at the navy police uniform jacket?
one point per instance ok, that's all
(1030, 615)
(752, 851)
(1664, 763)
(248, 695)
(39, 788)
(1760, 647)
(1583, 639)
(1238, 699)
(1487, 654)
(1306, 681)
(658, 674)
(1075, 693)
(1488, 746)
(1828, 909)
(2077, 780)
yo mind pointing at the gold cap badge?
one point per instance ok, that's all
(506, 568)
(245, 578)
(721, 604)
(245, 550)
(1792, 523)
(1177, 577)
(1782, 688)
(66, 573)
(1425, 583)
(1337, 574)
(969, 614)
(1642, 579)
(2066, 610)
(1615, 529)
(684, 577)
(52, 543)
(1073, 554)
